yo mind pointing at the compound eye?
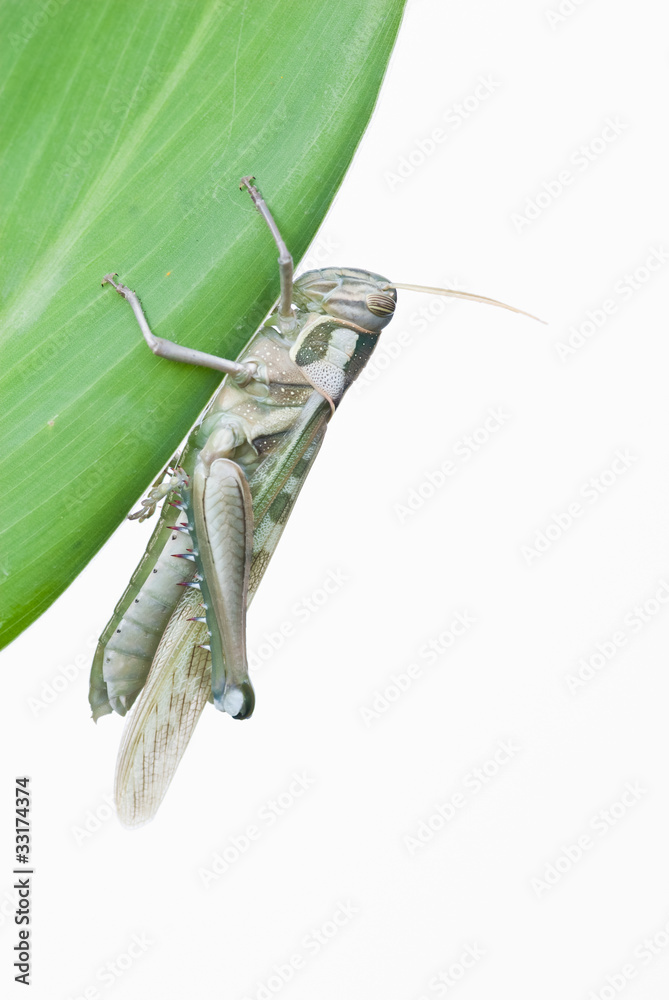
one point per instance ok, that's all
(380, 304)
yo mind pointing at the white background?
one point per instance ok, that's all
(491, 874)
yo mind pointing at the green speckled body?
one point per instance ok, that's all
(273, 428)
(178, 634)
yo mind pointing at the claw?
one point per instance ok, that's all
(183, 555)
(109, 279)
(202, 619)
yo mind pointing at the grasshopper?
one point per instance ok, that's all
(177, 638)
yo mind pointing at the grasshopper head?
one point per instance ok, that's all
(349, 294)
(365, 299)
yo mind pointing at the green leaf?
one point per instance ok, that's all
(125, 130)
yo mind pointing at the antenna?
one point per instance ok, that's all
(452, 293)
